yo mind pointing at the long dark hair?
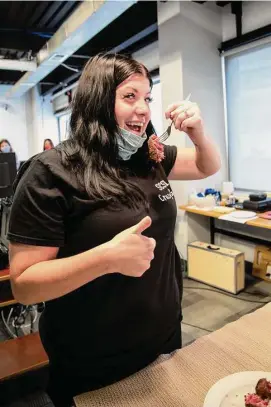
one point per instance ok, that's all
(91, 151)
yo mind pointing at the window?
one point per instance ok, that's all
(63, 124)
(248, 94)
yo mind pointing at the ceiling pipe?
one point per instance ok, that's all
(87, 20)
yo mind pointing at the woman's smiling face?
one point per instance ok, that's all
(132, 110)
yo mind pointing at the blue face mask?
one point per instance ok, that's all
(129, 143)
(5, 149)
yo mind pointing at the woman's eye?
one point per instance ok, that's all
(149, 99)
(129, 96)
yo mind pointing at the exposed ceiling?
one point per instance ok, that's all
(26, 26)
(133, 29)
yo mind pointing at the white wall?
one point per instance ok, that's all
(256, 14)
(13, 123)
(41, 122)
(189, 36)
(26, 122)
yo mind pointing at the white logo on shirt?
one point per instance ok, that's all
(161, 186)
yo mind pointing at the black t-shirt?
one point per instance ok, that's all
(115, 320)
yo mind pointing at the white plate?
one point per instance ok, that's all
(230, 391)
(243, 214)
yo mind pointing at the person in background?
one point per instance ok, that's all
(48, 144)
(5, 147)
(92, 230)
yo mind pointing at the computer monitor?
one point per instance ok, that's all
(8, 173)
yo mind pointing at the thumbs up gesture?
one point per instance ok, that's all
(132, 252)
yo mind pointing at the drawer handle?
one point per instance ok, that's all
(213, 248)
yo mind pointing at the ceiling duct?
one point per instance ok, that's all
(88, 19)
(14, 65)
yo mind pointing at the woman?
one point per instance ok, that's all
(92, 231)
(48, 144)
(5, 146)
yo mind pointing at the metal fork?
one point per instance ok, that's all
(167, 133)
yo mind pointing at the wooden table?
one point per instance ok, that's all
(258, 223)
(20, 355)
(184, 378)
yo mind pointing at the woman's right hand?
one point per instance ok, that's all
(132, 252)
(31, 267)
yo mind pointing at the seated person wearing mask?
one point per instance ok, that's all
(5, 147)
(48, 144)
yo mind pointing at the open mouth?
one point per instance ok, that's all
(135, 127)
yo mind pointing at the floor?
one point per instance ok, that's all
(206, 309)
(33, 400)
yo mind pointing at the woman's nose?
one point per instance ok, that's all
(142, 107)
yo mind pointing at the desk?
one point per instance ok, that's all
(258, 223)
(21, 355)
(4, 276)
(184, 378)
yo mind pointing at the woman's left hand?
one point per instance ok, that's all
(186, 116)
